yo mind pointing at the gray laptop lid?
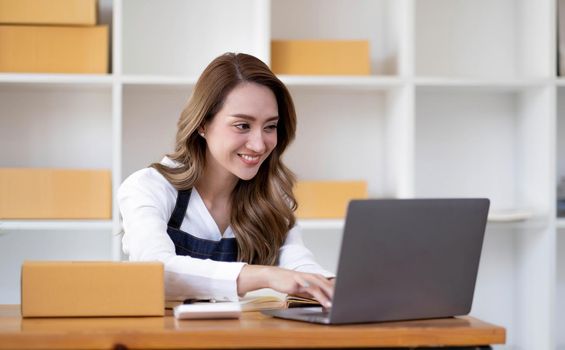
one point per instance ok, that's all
(405, 259)
(408, 259)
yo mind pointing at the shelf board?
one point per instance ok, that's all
(15, 225)
(57, 79)
(346, 82)
(514, 215)
(321, 224)
(498, 217)
(498, 85)
(371, 83)
(158, 80)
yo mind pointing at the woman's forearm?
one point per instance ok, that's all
(253, 277)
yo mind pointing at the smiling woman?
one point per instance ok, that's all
(219, 210)
(242, 134)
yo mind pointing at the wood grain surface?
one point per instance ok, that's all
(252, 330)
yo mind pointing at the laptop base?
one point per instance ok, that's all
(305, 314)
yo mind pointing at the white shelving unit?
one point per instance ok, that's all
(560, 302)
(54, 225)
(462, 101)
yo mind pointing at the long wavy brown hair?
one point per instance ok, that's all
(262, 209)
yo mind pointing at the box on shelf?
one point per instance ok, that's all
(320, 57)
(54, 49)
(55, 194)
(62, 12)
(70, 289)
(327, 199)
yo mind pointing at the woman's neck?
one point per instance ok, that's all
(216, 185)
(215, 188)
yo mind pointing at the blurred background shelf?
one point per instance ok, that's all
(54, 225)
(157, 80)
(322, 224)
(370, 83)
(470, 84)
(72, 79)
(495, 217)
(515, 215)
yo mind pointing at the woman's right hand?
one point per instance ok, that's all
(311, 285)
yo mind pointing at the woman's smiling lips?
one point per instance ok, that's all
(249, 159)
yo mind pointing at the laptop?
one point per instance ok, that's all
(404, 259)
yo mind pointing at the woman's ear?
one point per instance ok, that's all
(202, 131)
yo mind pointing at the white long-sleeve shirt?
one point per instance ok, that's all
(146, 200)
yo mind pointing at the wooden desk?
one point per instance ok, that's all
(253, 330)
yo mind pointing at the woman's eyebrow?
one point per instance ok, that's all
(252, 118)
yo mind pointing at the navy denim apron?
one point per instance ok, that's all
(186, 244)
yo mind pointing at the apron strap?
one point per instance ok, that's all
(180, 209)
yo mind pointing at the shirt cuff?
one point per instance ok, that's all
(224, 281)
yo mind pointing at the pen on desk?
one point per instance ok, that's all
(194, 300)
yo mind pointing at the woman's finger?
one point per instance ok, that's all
(319, 295)
(325, 285)
(317, 288)
(328, 286)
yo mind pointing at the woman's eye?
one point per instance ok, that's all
(271, 127)
(242, 126)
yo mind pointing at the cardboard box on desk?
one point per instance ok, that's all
(55, 194)
(66, 12)
(72, 289)
(327, 199)
(54, 49)
(320, 57)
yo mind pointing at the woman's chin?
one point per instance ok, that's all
(246, 174)
(246, 177)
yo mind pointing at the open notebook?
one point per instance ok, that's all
(262, 299)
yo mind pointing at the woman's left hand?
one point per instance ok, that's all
(304, 284)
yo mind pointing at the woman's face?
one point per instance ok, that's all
(244, 132)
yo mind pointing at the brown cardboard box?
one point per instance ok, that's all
(55, 194)
(68, 12)
(327, 199)
(320, 57)
(61, 289)
(51, 49)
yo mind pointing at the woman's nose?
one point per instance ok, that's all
(256, 143)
